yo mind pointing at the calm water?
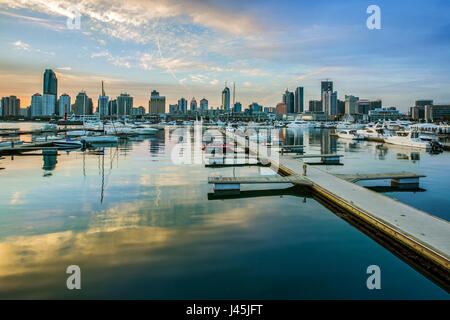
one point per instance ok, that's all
(140, 226)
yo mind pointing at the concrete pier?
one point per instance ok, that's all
(424, 234)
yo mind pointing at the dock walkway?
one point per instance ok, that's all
(425, 234)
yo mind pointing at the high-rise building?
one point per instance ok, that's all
(340, 107)
(173, 108)
(363, 106)
(418, 111)
(288, 99)
(193, 104)
(102, 103)
(351, 104)
(329, 103)
(124, 104)
(112, 107)
(315, 106)
(50, 93)
(64, 105)
(237, 107)
(375, 104)
(226, 98)
(255, 108)
(281, 108)
(204, 104)
(182, 105)
(157, 103)
(50, 82)
(10, 106)
(36, 105)
(299, 100)
(326, 86)
(81, 105)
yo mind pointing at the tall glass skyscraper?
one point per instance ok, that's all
(50, 92)
(288, 99)
(298, 102)
(226, 98)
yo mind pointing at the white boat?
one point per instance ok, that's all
(298, 124)
(145, 131)
(50, 127)
(77, 133)
(408, 139)
(68, 143)
(350, 134)
(99, 139)
(371, 132)
(9, 143)
(47, 138)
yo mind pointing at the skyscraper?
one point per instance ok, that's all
(103, 109)
(329, 103)
(124, 104)
(326, 86)
(157, 103)
(238, 107)
(64, 105)
(50, 92)
(204, 104)
(350, 104)
(226, 98)
(36, 105)
(193, 105)
(288, 99)
(10, 106)
(298, 102)
(81, 105)
(182, 105)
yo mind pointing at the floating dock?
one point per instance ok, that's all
(426, 235)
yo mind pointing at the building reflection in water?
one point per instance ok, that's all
(49, 162)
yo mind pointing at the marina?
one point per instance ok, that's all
(104, 177)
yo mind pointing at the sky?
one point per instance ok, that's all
(190, 48)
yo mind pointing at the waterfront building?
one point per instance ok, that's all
(437, 112)
(226, 98)
(255, 108)
(64, 105)
(124, 104)
(50, 93)
(418, 111)
(390, 113)
(315, 106)
(173, 108)
(48, 104)
(112, 107)
(204, 104)
(103, 103)
(10, 106)
(82, 105)
(281, 108)
(157, 103)
(363, 107)
(299, 100)
(182, 105)
(237, 107)
(193, 104)
(340, 107)
(329, 103)
(288, 99)
(351, 104)
(375, 104)
(36, 105)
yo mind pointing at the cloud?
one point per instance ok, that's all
(21, 45)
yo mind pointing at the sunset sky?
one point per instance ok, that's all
(190, 48)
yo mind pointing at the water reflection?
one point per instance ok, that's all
(140, 226)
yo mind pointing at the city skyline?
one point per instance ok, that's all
(191, 50)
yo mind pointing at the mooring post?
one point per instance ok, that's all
(304, 169)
